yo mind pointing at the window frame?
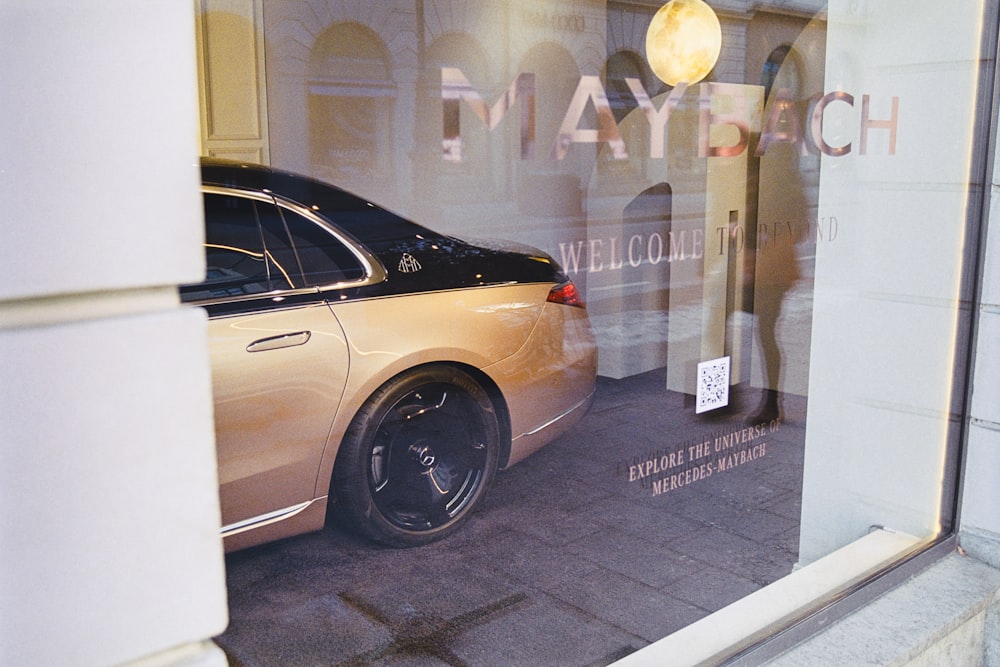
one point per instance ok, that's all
(373, 271)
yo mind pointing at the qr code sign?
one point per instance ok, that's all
(713, 385)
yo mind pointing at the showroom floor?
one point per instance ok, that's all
(606, 540)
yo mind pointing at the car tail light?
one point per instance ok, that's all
(566, 294)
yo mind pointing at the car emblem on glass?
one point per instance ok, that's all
(409, 264)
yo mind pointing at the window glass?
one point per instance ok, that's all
(320, 257)
(771, 246)
(248, 251)
(237, 263)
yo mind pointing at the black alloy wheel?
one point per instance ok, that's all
(419, 455)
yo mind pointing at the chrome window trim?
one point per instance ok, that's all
(265, 519)
(374, 272)
(275, 296)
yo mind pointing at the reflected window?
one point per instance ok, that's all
(548, 187)
(620, 66)
(775, 71)
(627, 65)
(471, 179)
(351, 100)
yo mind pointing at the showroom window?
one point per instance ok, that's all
(768, 208)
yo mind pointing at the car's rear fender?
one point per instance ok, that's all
(472, 328)
(550, 382)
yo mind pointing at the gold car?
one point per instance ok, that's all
(367, 362)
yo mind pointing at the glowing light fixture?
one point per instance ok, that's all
(683, 41)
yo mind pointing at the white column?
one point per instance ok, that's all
(109, 547)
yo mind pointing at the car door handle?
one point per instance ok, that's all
(278, 342)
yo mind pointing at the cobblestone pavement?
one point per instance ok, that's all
(643, 519)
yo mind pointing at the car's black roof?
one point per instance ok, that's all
(446, 262)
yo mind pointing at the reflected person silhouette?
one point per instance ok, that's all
(782, 212)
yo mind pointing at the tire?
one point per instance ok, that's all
(418, 456)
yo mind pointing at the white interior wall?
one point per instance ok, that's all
(887, 292)
(109, 547)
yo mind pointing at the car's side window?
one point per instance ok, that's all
(239, 260)
(256, 247)
(320, 257)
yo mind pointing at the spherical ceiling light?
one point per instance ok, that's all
(683, 41)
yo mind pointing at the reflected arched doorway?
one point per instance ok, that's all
(618, 174)
(548, 187)
(649, 217)
(470, 180)
(623, 65)
(351, 100)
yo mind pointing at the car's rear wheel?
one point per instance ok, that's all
(419, 455)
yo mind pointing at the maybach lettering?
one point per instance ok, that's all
(614, 254)
(664, 471)
(781, 125)
(639, 249)
(655, 466)
(728, 461)
(740, 457)
(742, 436)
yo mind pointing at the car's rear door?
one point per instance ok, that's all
(279, 357)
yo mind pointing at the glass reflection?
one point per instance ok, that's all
(693, 217)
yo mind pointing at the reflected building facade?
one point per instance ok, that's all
(740, 231)
(572, 134)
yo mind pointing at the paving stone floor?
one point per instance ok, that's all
(573, 559)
